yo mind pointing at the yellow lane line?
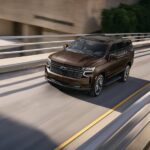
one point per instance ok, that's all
(76, 135)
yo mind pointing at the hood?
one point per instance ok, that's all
(74, 59)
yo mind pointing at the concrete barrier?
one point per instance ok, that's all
(119, 133)
(20, 63)
(141, 44)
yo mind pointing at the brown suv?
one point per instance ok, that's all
(91, 62)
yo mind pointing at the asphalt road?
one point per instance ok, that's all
(35, 115)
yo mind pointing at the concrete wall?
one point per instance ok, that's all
(6, 27)
(66, 16)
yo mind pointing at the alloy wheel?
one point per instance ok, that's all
(126, 73)
(99, 85)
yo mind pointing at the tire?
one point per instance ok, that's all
(125, 74)
(98, 86)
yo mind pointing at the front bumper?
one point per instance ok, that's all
(67, 82)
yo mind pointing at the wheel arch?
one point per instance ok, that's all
(129, 63)
(102, 73)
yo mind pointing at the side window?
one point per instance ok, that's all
(116, 48)
(120, 45)
(121, 50)
(113, 49)
(128, 45)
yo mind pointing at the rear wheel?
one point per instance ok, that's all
(125, 74)
(98, 85)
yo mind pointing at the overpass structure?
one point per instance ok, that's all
(31, 17)
(37, 115)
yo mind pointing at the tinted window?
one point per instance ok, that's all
(113, 49)
(128, 45)
(118, 49)
(120, 45)
(89, 47)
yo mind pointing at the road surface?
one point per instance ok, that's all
(35, 115)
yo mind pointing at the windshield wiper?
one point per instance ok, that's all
(75, 50)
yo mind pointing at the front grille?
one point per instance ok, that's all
(66, 70)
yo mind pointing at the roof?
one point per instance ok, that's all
(104, 39)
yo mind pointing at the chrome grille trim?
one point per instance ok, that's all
(66, 70)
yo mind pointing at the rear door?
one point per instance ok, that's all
(112, 67)
(122, 56)
(117, 65)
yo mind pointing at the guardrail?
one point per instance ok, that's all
(41, 36)
(138, 44)
(73, 35)
(32, 50)
(37, 43)
(114, 136)
(133, 36)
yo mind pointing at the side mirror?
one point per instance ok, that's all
(113, 57)
(65, 46)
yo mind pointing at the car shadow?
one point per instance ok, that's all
(22, 89)
(111, 94)
(21, 81)
(15, 135)
(19, 73)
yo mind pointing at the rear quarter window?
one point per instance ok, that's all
(128, 45)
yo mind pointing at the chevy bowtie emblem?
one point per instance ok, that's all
(63, 68)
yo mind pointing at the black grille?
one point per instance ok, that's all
(66, 70)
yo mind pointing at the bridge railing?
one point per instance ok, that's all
(46, 43)
(74, 35)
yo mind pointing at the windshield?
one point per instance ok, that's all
(89, 47)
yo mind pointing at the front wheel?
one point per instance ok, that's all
(98, 85)
(125, 74)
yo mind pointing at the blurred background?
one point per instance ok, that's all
(54, 17)
(38, 116)
(42, 17)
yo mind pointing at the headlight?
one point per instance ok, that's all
(49, 62)
(87, 71)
